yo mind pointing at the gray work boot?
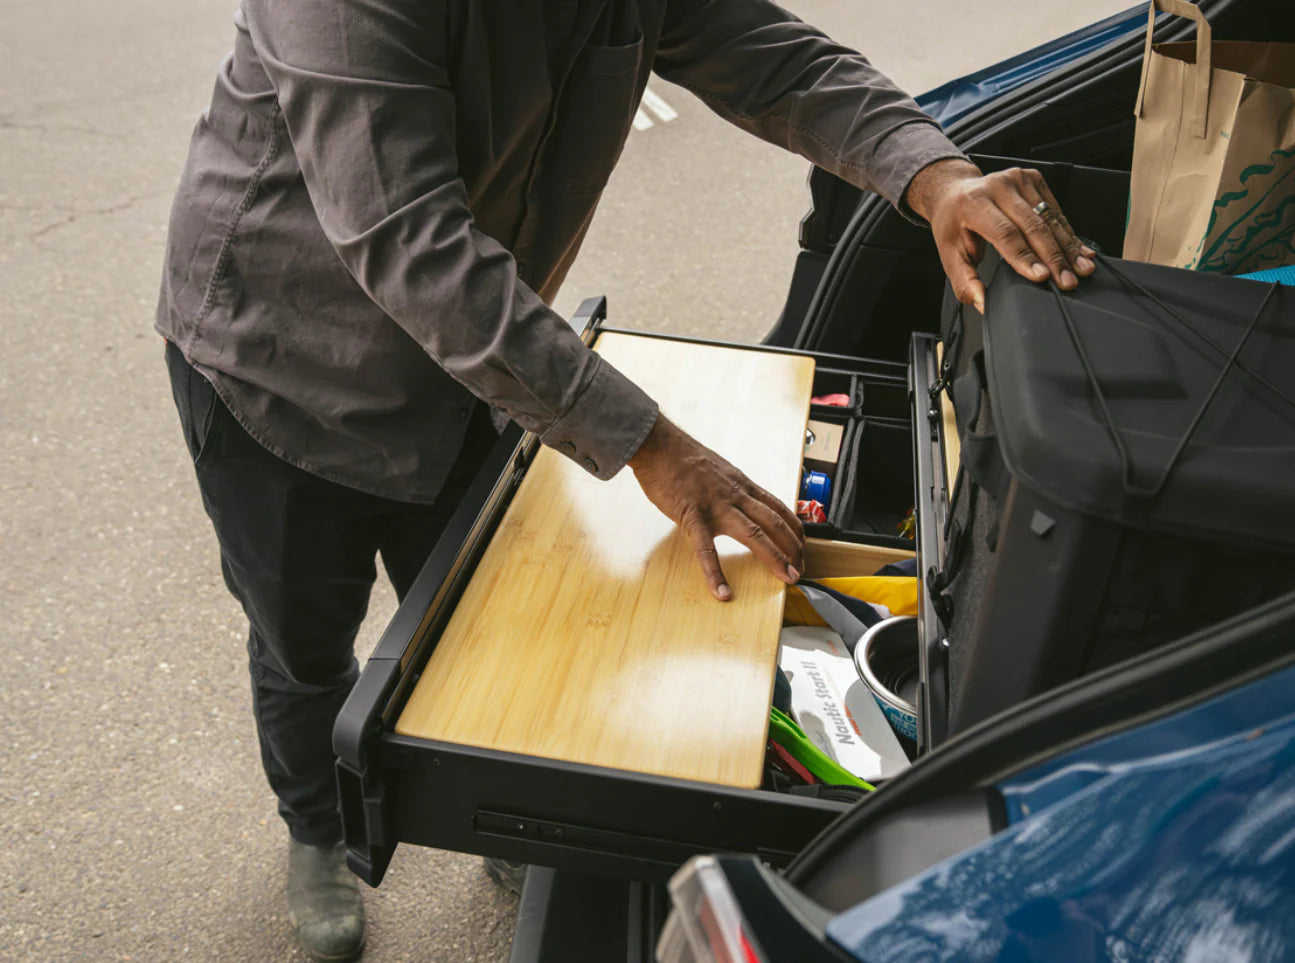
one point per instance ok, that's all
(511, 876)
(324, 902)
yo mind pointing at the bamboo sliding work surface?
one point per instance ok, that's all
(587, 632)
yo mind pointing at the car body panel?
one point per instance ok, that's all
(952, 101)
(1174, 840)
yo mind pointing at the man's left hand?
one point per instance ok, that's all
(1013, 210)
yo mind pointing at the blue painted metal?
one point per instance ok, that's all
(1227, 718)
(1172, 841)
(956, 99)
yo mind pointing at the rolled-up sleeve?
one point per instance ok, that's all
(364, 91)
(758, 66)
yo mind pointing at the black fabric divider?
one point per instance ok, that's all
(880, 483)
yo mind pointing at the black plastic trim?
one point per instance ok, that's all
(875, 369)
(898, 846)
(932, 503)
(450, 562)
(784, 925)
(566, 917)
(586, 819)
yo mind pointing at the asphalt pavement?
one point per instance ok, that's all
(134, 820)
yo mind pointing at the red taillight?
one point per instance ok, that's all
(707, 925)
(749, 951)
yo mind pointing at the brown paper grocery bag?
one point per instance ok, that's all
(1213, 184)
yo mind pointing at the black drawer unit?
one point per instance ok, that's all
(598, 821)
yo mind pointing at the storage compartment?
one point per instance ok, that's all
(871, 485)
(872, 478)
(829, 382)
(592, 815)
(877, 488)
(828, 442)
(823, 686)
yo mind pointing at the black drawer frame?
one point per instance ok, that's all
(934, 494)
(588, 819)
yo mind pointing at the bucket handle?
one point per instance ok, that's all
(1204, 37)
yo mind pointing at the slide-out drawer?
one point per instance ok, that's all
(599, 819)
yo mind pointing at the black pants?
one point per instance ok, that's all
(298, 553)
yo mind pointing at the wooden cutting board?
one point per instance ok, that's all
(588, 634)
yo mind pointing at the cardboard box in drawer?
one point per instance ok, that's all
(834, 707)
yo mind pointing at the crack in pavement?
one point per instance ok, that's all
(7, 123)
(36, 236)
(140, 93)
(33, 208)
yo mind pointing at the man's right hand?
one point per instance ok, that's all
(1013, 210)
(706, 496)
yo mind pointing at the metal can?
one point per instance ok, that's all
(887, 658)
(816, 487)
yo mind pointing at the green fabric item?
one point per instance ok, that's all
(784, 731)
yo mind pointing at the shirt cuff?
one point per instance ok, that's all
(904, 152)
(606, 425)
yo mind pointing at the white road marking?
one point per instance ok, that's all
(654, 102)
(641, 120)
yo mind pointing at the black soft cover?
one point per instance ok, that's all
(1234, 480)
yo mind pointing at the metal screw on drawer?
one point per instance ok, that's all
(944, 644)
(719, 807)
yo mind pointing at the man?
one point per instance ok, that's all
(377, 207)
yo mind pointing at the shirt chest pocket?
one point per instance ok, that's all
(597, 110)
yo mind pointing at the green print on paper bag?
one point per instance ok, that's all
(1254, 228)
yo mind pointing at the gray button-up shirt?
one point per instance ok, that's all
(385, 195)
